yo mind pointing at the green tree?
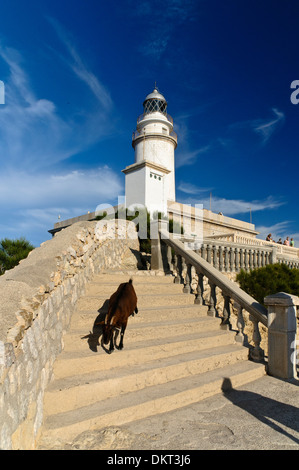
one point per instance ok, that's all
(12, 251)
(268, 280)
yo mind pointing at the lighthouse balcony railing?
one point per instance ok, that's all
(143, 115)
(137, 134)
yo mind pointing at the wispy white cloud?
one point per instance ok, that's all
(278, 230)
(229, 207)
(233, 207)
(264, 128)
(190, 188)
(20, 189)
(31, 131)
(185, 158)
(31, 202)
(75, 62)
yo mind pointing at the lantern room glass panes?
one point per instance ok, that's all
(155, 105)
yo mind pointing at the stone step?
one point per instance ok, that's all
(96, 302)
(82, 390)
(149, 401)
(137, 331)
(86, 318)
(141, 288)
(136, 276)
(78, 361)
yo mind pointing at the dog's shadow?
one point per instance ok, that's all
(94, 338)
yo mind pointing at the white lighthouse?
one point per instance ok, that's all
(150, 181)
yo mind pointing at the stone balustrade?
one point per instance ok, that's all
(233, 257)
(173, 255)
(242, 239)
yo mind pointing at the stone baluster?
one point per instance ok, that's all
(237, 259)
(226, 267)
(215, 256)
(203, 251)
(169, 258)
(254, 266)
(259, 258)
(256, 353)
(199, 291)
(187, 286)
(246, 259)
(262, 258)
(180, 270)
(225, 323)
(239, 338)
(241, 258)
(220, 258)
(266, 258)
(232, 259)
(212, 302)
(250, 259)
(176, 269)
(208, 253)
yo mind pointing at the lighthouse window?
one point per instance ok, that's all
(152, 106)
(155, 176)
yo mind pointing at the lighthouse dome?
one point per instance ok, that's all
(155, 95)
(155, 102)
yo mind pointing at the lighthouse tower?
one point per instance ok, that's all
(150, 181)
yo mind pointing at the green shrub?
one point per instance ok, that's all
(269, 280)
(12, 251)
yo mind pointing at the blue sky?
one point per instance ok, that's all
(76, 74)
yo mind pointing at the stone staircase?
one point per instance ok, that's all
(174, 355)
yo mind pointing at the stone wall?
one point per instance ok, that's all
(205, 223)
(37, 300)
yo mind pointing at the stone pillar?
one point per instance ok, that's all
(282, 326)
(158, 251)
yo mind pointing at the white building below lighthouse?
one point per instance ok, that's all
(150, 181)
